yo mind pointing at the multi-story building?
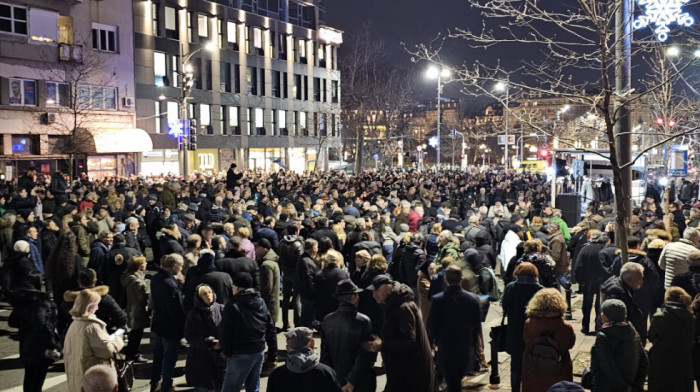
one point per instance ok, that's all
(266, 96)
(66, 75)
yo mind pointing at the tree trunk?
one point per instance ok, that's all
(359, 142)
(621, 203)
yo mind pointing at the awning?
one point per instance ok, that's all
(110, 141)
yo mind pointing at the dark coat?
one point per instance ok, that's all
(137, 312)
(672, 333)
(113, 267)
(618, 360)
(290, 250)
(246, 325)
(168, 312)
(269, 234)
(544, 264)
(205, 366)
(318, 378)
(343, 333)
(170, 243)
(220, 283)
(564, 335)
(325, 283)
(615, 288)
(35, 315)
(306, 273)
(98, 255)
(233, 266)
(18, 272)
(406, 348)
(651, 295)
(411, 260)
(688, 281)
(515, 299)
(132, 240)
(111, 313)
(328, 232)
(454, 324)
(588, 270)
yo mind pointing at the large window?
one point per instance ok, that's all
(22, 92)
(204, 114)
(302, 51)
(157, 112)
(104, 37)
(173, 114)
(57, 94)
(13, 19)
(160, 69)
(276, 84)
(232, 34)
(258, 41)
(171, 23)
(202, 25)
(259, 121)
(233, 120)
(224, 77)
(282, 121)
(97, 97)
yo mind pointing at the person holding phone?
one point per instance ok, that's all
(87, 342)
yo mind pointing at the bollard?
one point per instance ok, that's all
(568, 315)
(494, 378)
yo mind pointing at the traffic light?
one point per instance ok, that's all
(193, 126)
(192, 142)
(544, 153)
(192, 145)
(661, 122)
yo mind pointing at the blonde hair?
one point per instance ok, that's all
(134, 263)
(679, 296)
(244, 232)
(203, 287)
(547, 303)
(340, 232)
(82, 301)
(335, 257)
(377, 262)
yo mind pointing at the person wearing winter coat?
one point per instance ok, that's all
(269, 276)
(170, 240)
(205, 272)
(674, 257)
(108, 311)
(98, 253)
(205, 366)
(590, 274)
(448, 247)
(516, 296)
(545, 313)
(302, 370)
(19, 271)
(34, 314)
(87, 342)
(510, 242)
(114, 265)
(404, 343)
(650, 296)
(690, 281)
(618, 360)
(411, 259)
(62, 269)
(623, 288)
(137, 311)
(290, 250)
(557, 248)
(672, 333)
(655, 233)
(533, 253)
(325, 283)
(79, 228)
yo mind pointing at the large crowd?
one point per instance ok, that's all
(395, 271)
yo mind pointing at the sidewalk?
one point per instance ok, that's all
(580, 354)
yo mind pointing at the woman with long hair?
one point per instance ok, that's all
(62, 269)
(87, 342)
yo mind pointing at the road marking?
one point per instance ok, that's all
(49, 383)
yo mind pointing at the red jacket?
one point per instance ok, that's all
(413, 219)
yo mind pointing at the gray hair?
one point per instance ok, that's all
(631, 267)
(553, 226)
(691, 233)
(100, 378)
(130, 221)
(405, 204)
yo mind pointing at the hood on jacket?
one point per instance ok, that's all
(400, 294)
(5, 222)
(199, 303)
(622, 332)
(290, 238)
(658, 233)
(250, 299)
(168, 232)
(302, 361)
(676, 311)
(539, 258)
(70, 296)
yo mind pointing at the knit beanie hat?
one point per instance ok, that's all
(615, 310)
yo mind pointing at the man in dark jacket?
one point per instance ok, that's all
(246, 325)
(108, 310)
(343, 335)
(623, 288)
(205, 273)
(170, 240)
(453, 325)
(266, 231)
(290, 250)
(302, 371)
(325, 284)
(590, 274)
(322, 230)
(233, 177)
(236, 262)
(651, 295)
(306, 273)
(676, 208)
(404, 345)
(168, 323)
(98, 253)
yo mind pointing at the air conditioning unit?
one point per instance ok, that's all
(128, 102)
(48, 118)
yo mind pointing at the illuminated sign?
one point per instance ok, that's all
(330, 36)
(177, 128)
(662, 13)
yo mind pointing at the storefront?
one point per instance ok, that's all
(115, 152)
(204, 160)
(159, 162)
(120, 165)
(267, 159)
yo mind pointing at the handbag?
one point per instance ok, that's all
(587, 378)
(499, 335)
(125, 372)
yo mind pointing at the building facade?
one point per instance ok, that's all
(66, 75)
(265, 93)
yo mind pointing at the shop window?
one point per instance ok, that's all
(104, 37)
(25, 145)
(22, 92)
(13, 19)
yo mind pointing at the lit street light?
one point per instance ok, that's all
(504, 86)
(434, 73)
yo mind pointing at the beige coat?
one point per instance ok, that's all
(87, 344)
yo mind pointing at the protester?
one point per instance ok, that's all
(137, 310)
(100, 378)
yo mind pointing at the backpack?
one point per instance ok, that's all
(425, 226)
(545, 354)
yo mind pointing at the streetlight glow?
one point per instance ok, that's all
(210, 46)
(673, 51)
(500, 86)
(432, 72)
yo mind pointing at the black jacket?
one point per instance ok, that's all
(132, 240)
(233, 266)
(112, 269)
(688, 281)
(170, 243)
(615, 288)
(325, 284)
(411, 260)
(589, 271)
(111, 313)
(306, 273)
(343, 334)
(35, 315)
(318, 378)
(290, 250)
(453, 326)
(18, 272)
(246, 325)
(168, 312)
(220, 283)
(204, 367)
(232, 179)
(328, 232)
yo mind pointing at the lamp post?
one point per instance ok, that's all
(504, 86)
(187, 76)
(434, 73)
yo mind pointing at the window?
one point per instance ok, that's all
(293, 123)
(258, 41)
(155, 16)
(202, 25)
(197, 73)
(190, 26)
(232, 35)
(22, 92)
(305, 90)
(249, 130)
(224, 77)
(297, 88)
(282, 47)
(321, 124)
(273, 123)
(302, 51)
(233, 120)
(222, 119)
(157, 117)
(220, 33)
(175, 70)
(276, 84)
(13, 19)
(236, 79)
(282, 121)
(204, 114)
(261, 87)
(57, 94)
(302, 124)
(285, 89)
(97, 97)
(252, 81)
(171, 23)
(324, 95)
(334, 91)
(43, 25)
(207, 77)
(65, 30)
(160, 65)
(259, 121)
(104, 37)
(173, 113)
(317, 89)
(322, 56)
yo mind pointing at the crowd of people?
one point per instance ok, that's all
(402, 264)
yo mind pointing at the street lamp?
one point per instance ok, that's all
(187, 77)
(504, 86)
(434, 73)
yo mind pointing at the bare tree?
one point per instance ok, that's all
(576, 60)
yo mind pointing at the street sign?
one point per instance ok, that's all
(502, 139)
(678, 161)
